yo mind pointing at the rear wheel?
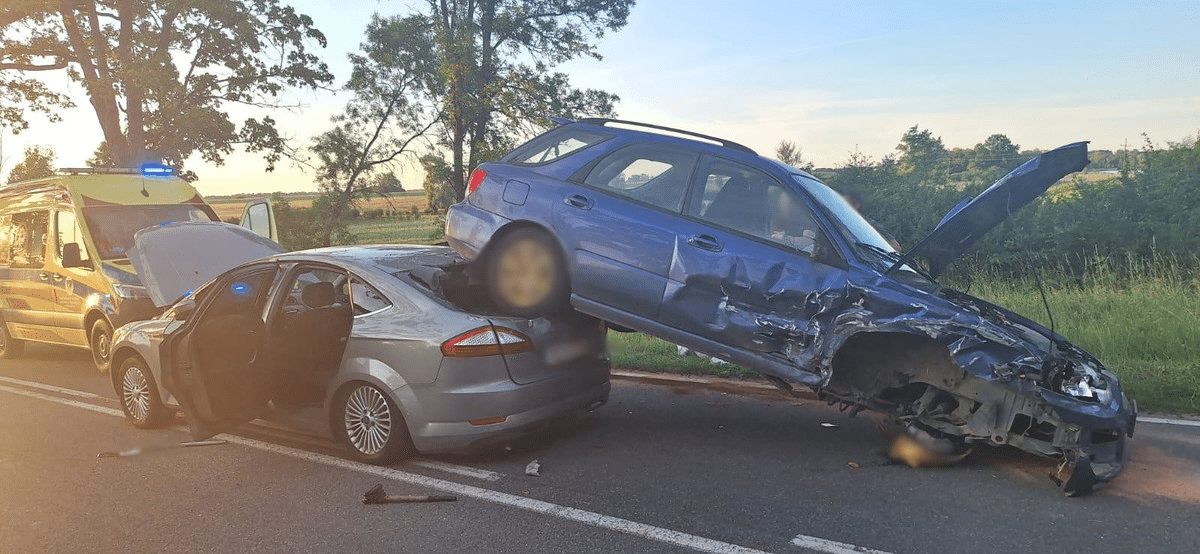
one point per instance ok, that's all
(139, 395)
(526, 275)
(101, 343)
(371, 426)
(9, 347)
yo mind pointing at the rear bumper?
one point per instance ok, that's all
(439, 415)
(468, 228)
(459, 437)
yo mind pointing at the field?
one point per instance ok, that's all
(231, 206)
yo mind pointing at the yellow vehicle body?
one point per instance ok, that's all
(77, 300)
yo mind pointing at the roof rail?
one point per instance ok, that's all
(726, 143)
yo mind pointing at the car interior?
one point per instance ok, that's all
(314, 325)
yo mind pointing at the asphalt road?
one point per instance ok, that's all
(658, 469)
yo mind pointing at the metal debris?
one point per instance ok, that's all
(136, 451)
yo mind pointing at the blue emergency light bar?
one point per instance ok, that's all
(157, 170)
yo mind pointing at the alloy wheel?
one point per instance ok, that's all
(368, 419)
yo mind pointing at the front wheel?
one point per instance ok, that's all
(101, 343)
(10, 347)
(139, 395)
(526, 275)
(371, 426)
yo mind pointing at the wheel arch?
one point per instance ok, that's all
(118, 357)
(516, 225)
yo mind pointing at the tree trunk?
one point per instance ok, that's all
(99, 87)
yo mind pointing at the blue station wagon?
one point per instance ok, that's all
(704, 243)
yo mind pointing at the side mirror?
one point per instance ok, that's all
(72, 257)
(183, 309)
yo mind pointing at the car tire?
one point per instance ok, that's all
(139, 395)
(526, 275)
(10, 348)
(100, 341)
(370, 425)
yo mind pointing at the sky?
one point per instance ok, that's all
(834, 77)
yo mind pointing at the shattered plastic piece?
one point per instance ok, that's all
(534, 469)
(854, 465)
(375, 495)
(828, 425)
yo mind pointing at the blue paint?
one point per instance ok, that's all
(240, 288)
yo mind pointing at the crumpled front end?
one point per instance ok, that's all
(963, 370)
(949, 365)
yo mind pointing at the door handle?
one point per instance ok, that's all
(45, 275)
(578, 201)
(57, 277)
(705, 242)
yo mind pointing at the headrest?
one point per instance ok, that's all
(318, 295)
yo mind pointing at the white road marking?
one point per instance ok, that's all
(831, 547)
(456, 469)
(594, 519)
(481, 474)
(64, 401)
(52, 388)
(1183, 422)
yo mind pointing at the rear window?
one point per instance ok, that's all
(554, 145)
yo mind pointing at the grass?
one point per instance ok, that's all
(646, 353)
(1146, 330)
(425, 229)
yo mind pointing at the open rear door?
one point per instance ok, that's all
(258, 216)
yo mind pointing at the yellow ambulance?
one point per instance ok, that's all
(64, 275)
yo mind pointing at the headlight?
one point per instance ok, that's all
(1086, 383)
(130, 292)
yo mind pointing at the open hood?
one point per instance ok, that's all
(175, 258)
(972, 218)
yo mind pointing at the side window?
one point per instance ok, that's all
(365, 298)
(5, 240)
(319, 288)
(554, 145)
(647, 173)
(27, 239)
(243, 295)
(69, 232)
(749, 201)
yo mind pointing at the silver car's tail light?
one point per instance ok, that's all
(487, 341)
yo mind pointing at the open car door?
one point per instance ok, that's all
(217, 365)
(258, 216)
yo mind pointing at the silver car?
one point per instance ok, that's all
(384, 348)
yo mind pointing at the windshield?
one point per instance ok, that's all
(112, 227)
(852, 223)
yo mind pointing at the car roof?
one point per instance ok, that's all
(389, 258)
(658, 133)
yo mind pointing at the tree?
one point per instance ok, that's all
(383, 118)
(787, 152)
(921, 153)
(161, 75)
(439, 182)
(37, 163)
(997, 151)
(493, 60)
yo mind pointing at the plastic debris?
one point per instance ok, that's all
(146, 449)
(534, 469)
(828, 425)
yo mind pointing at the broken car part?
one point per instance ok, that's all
(158, 448)
(376, 496)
